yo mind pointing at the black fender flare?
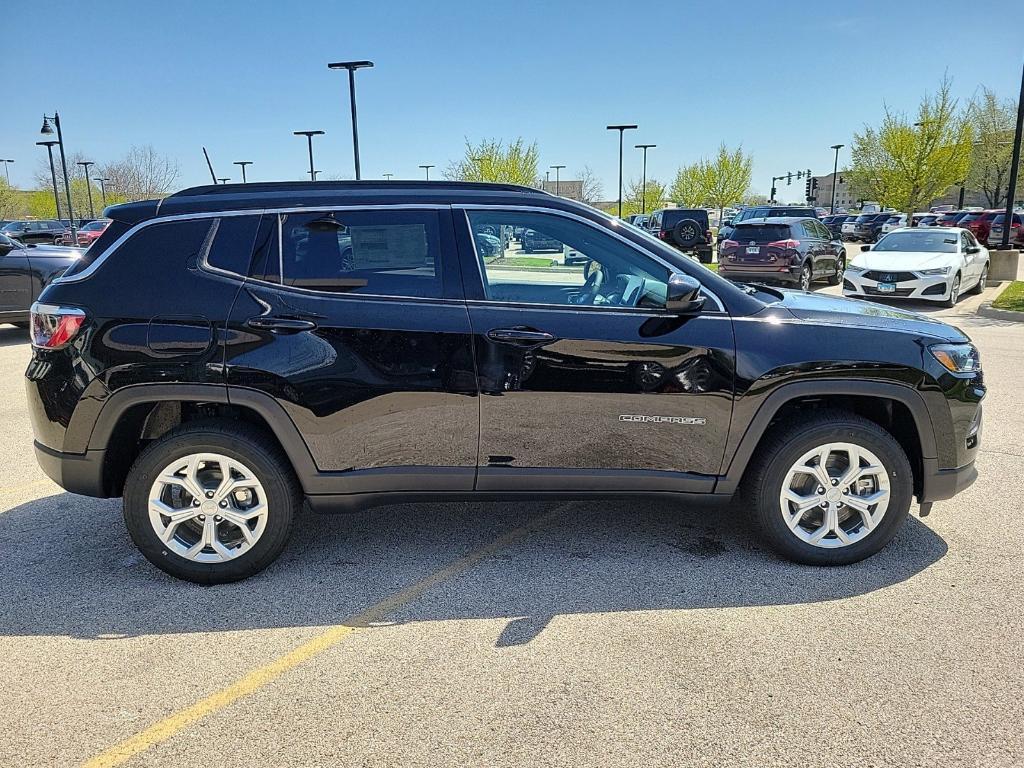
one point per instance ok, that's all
(748, 441)
(275, 416)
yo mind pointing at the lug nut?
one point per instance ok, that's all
(217, 518)
(223, 504)
(820, 489)
(202, 517)
(209, 494)
(195, 502)
(834, 481)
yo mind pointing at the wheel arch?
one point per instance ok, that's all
(897, 408)
(147, 411)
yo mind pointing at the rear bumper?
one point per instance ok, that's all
(791, 275)
(80, 473)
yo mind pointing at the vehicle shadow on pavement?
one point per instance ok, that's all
(9, 336)
(69, 568)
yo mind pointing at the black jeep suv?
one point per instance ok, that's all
(687, 229)
(222, 356)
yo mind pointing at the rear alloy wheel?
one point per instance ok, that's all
(831, 491)
(982, 281)
(211, 503)
(837, 278)
(805, 278)
(954, 292)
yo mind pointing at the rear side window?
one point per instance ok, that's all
(388, 253)
(761, 233)
(110, 235)
(232, 246)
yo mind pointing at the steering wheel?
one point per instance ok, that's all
(595, 279)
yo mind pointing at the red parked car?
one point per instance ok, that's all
(979, 222)
(87, 234)
(995, 234)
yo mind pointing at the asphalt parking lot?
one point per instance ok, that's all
(497, 634)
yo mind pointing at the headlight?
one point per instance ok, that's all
(957, 358)
(855, 268)
(929, 272)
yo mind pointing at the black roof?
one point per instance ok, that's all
(297, 194)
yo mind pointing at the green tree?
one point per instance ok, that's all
(993, 121)
(41, 205)
(725, 178)
(639, 198)
(8, 200)
(907, 164)
(687, 189)
(491, 160)
(754, 198)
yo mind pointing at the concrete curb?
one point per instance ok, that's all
(987, 310)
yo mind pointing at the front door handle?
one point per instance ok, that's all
(519, 336)
(280, 324)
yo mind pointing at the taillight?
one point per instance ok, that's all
(54, 327)
(730, 244)
(785, 244)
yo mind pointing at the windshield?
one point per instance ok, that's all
(932, 242)
(94, 226)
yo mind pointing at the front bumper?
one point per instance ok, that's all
(922, 288)
(941, 484)
(75, 472)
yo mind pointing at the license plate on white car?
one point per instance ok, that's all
(753, 249)
(886, 287)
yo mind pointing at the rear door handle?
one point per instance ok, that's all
(519, 336)
(280, 324)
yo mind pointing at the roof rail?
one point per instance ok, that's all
(296, 186)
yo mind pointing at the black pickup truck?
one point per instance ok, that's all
(24, 271)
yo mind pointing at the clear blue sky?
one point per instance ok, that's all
(784, 79)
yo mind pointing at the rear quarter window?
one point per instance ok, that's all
(110, 235)
(232, 246)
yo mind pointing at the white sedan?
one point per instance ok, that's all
(931, 264)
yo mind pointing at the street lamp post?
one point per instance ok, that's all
(53, 173)
(643, 182)
(103, 189)
(224, 180)
(1014, 162)
(621, 129)
(309, 139)
(835, 176)
(352, 66)
(242, 164)
(558, 178)
(388, 176)
(88, 185)
(427, 169)
(7, 170)
(47, 130)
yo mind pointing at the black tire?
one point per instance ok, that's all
(806, 276)
(954, 293)
(687, 233)
(783, 447)
(837, 277)
(238, 441)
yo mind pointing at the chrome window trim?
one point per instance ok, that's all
(467, 207)
(95, 265)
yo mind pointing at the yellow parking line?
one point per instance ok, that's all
(259, 677)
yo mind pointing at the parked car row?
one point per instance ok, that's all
(53, 231)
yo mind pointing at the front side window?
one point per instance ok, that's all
(384, 253)
(561, 261)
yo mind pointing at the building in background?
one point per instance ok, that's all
(573, 189)
(822, 195)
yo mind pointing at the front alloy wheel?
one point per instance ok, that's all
(954, 292)
(834, 495)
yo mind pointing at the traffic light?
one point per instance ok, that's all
(807, 188)
(789, 179)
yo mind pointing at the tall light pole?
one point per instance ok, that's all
(1014, 162)
(7, 169)
(352, 66)
(309, 139)
(621, 129)
(47, 130)
(835, 176)
(224, 180)
(88, 185)
(558, 178)
(53, 174)
(427, 169)
(103, 189)
(643, 188)
(388, 176)
(242, 164)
